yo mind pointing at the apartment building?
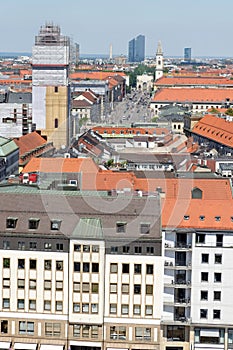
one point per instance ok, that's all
(79, 272)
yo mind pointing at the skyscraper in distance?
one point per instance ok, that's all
(136, 50)
(187, 54)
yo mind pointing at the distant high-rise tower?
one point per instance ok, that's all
(136, 49)
(187, 54)
(110, 52)
(50, 92)
(159, 62)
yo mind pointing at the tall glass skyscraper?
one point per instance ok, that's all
(136, 52)
(187, 54)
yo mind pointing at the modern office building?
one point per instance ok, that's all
(136, 49)
(187, 54)
(50, 88)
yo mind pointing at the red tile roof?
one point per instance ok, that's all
(216, 129)
(200, 95)
(192, 80)
(29, 142)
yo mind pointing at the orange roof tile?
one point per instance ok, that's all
(192, 80)
(216, 129)
(29, 142)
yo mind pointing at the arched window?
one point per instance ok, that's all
(196, 193)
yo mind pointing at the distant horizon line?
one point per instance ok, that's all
(15, 54)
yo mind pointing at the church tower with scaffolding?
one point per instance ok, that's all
(50, 87)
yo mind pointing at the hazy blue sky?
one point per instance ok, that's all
(204, 25)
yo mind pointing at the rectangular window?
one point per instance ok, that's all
(125, 268)
(76, 266)
(6, 245)
(125, 288)
(200, 238)
(118, 332)
(113, 308)
(33, 224)
(219, 240)
(55, 88)
(32, 264)
(216, 314)
(138, 250)
(149, 310)
(20, 304)
(85, 308)
(76, 330)
(85, 287)
(95, 267)
(113, 288)
(5, 303)
(21, 283)
(203, 313)
(32, 304)
(137, 268)
(21, 245)
(218, 258)
(149, 269)
(113, 268)
(149, 289)
(32, 284)
(47, 246)
(59, 247)
(85, 331)
(121, 227)
(32, 245)
(86, 267)
(52, 329)
(150, 250)
(94, 308)
(217, 295)
(76, 307)
(114, 249)
(86, 248)
(125, 249)
(26, 327)
(6, 282)
(59, 265)
(47, 305)
(11, 222)
(142, 333)
(59, 306)
(6, 263)
(47, 285)
(59, 285)
(204, 276)
(95, 287)
(21, 263)
(217, 277)
(124, 309)
(55, 225)
(48, 265)
(204, 295)
(137, 289)
(4, 326)
(205, 258)
(77, 247)
(95, 249)
(94, 332)
(145, 228)
(137, 309)
(76, 287)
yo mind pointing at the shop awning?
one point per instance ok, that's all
(51, 347)
(209, 332)
(25, 346)
(4, 344)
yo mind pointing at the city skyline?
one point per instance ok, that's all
(198, 25)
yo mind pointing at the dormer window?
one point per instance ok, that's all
(217, 218)
(121, 227)
(55, 225)
(11, 222)
(196, 193)
(33, 223)
(202, 217)
(186, 217)
(145, 228)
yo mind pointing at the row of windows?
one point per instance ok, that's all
(86, 267)
(33, 224)
(85, 308)
(33, 264)
(217, 277)
(121, 227)
(201, 237)
(86, 248)
(86, 287)
(130, 250)
(137, 268)
(6, 283)
(205, 258)
(21, 304)
(216, 295)
(136, 309)
(28, 328)
(32, 245)
(204, 313)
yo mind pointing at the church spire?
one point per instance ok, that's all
(159, 49)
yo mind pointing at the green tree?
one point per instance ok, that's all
(229, 111)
